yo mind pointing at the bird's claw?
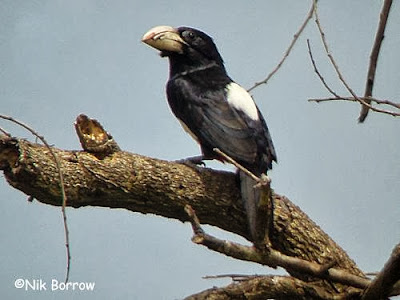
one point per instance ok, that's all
(194, 161)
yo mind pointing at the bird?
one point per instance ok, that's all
(215, 110)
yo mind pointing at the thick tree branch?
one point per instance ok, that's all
(271, 287)
(123, 180)
(108, 177)
(147, 185)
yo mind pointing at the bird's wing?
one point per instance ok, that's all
(228, 130)
(214, 121)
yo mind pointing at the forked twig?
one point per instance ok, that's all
(361, 100)
(330, 56)
(288, 50)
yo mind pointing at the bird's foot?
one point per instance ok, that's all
(193, 162)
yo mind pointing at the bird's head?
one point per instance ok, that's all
(184, 46)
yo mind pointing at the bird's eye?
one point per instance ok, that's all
(189, 34)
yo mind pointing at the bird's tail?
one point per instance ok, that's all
(250, 197)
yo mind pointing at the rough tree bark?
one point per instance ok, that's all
(108, 177)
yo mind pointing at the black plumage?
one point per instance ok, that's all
(197, 93)
(216, 111)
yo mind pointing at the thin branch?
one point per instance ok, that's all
(352, 99)
(337, 70)
(3, 131)
(317, 71)
(288, 50)
(271, 257)
(263, 180)
(373, 59)
(236, 164)
(333, 62)
(62, 186)
(234, 277)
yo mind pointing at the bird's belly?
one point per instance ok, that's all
(184, 126)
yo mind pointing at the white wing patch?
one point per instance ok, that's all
(240, 99)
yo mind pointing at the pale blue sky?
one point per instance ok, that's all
(62, 58)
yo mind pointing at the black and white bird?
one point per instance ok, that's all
(215, 110)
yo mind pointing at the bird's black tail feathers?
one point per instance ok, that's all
(250, 197)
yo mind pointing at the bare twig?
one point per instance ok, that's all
(373, 59)
(332, 60)
(288, 50)
(236, 164)
(5, 132)
(352, 99)
(337, 70)
(263, 180)
(62, 187)
(235, 277)
(271, 257)
(317, 71)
